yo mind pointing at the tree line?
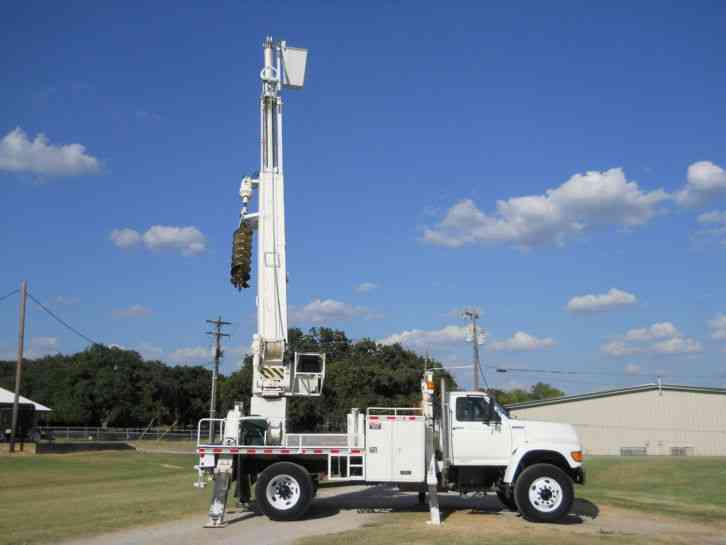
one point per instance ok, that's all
(113, 387)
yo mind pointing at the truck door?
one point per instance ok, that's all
(474, 441)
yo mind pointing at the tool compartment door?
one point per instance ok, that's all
(396, 449)
(379, 449)
(409, 455)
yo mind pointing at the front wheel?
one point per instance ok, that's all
(544, 493)
(284, 491)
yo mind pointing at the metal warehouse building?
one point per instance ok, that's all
(650, 419)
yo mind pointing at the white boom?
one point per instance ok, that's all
(276, 375)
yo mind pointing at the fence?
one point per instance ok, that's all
(90, 433)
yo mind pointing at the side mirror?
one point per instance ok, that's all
(492, 414)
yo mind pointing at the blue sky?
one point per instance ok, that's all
(560, 167)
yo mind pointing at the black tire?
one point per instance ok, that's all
(293, 481)
(507, 499)
(553, 489)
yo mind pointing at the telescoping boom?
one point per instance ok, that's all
(468, 444)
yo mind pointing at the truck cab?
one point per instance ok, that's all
(532, 465)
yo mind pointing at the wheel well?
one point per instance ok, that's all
(543, 457)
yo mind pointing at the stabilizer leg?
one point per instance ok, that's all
(432, 483)
(218, 506)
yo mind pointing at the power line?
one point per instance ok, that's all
(9, 294)
(61, 321)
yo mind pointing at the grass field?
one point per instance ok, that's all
(47, 498)
(693, 488)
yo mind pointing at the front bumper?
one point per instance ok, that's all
(578, 475)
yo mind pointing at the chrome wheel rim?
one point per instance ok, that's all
(545, 494)
(283, 492)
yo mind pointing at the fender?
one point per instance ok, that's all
(560, 450)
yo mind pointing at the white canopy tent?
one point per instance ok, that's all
(6, 396)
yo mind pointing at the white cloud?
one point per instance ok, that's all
(35, 347)
(191, 354)
(715, 216)
(632, 369)
(38, 156)
(521, 342)
(418, 338)
(660, 338)
(149, 351)
(189, 240)
(705, 180)
(581, 203)
(134, 311)
(677, 345)
(658, 330)
(716, 225)
(618, 348)
(62, 300)
(598, 302)
(718, 327)
(366, 287)
(41, 346)
(125, 238)
(323, 311)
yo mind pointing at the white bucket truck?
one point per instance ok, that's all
(466, 442)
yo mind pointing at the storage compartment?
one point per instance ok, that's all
(396, 449)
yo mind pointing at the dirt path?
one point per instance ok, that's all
(349, 507)
(244, 528)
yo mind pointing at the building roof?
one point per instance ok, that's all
(6, 396)
(616, 392)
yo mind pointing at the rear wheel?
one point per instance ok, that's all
(544, 493)
(284, 491)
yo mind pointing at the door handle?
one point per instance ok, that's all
(457, 428)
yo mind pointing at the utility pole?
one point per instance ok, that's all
(217, 334)
(473, 315)
(19, 363)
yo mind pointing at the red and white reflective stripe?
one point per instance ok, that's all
(237, 450)
(392, 417)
